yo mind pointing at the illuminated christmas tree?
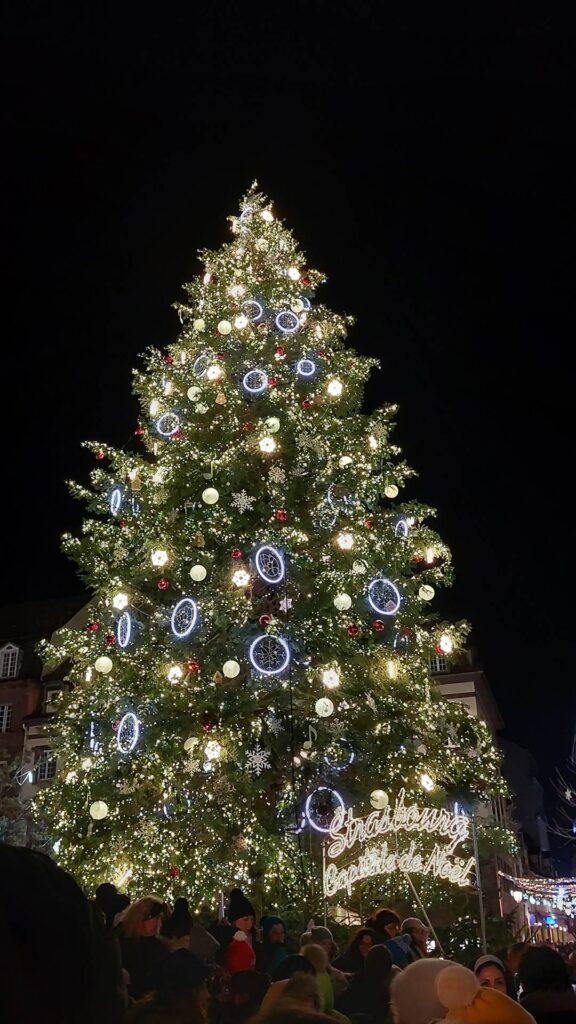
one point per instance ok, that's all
(260, 632)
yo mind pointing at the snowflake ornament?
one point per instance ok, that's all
(192, 766)
(285, 604)
(243, 502)
(277, 475)
(274, 725)
(128, 786)
(148, 831)
(223, 789)
(257, 760)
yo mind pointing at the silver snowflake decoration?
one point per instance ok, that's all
(243, 502)
(192, 766)
(148, 831)
(223, 789)
(274, 725)
(277, 475)
(309, 442)
(257, 760)
(128, 786)
(285, 604)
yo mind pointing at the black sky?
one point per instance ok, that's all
(426, 167)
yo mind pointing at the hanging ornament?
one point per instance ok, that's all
(93, 627)
(320, 807)
(369, 524)
(324, 707)
(426, 592)
(139, 430)
(168, 359)
(280, 350)
(243, 501)
(257, 760)
(272, 424)
(378, 625)
(224, 327)
(265, 620)
(273, 382)
(192, 665)
(353, 629)
(163, 583)
(100, 455)
(103, 664)
(360, 567)
(379, 799)
(194, 393)
(198, 540)
(342, 602)
(173, 871)
(198, 573)
(220, 398)
(231, 669)
(199, 324)
(248, 427)
(306, 404)
(391, 491)
(281, 515)
(110, 639)
(236, 554)
(98, 810)
(210, 496)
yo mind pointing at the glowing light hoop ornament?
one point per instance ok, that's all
(200, 365)
(253, 310)
(168, 424)
(128, 733)
(401, 529)
(184, 618)
(305, 367)
(255, 382)
(321, 789)
(124, 630)
(287, 321)
(348, 756)
(270, 564)
(269, 654)
(115, 500)
(383, 596)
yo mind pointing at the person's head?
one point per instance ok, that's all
(378, 963)
(290, 965)
(181, 990)
(543, 970)
(387, 921)
(467, 1002)
(142, 919)
(323, 937)
(178, 924)
(492, 973)
(514, 954)
(273, 930)
(317, 956)
(413, 993)
(247, 989)
(300, 992)
(362, 941)
(241, 913)
(416, 929)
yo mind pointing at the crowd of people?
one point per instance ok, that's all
(67, 959)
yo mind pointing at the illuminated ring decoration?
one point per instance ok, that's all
(401, 529)
(116, 499)
(135, 506)
(400, 642)
(308, 810)
(201, 364)
(246, 212)
(287, 321)
(307, 303)
(383, 596)
(305, 367)
(255, 382)
(270, 564)
(184, 618)
(124, 630)
(348, 756)
(335, 501)
(252, 309)
(128, 733)
(269, 655)
(168, 424)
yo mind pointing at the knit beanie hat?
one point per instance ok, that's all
(467, 1002)
(239, 955)
(413, 992)
(239, 906)
(180, 921)
(319, 934)
(268, 922)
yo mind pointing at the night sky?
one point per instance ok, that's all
(426, 168)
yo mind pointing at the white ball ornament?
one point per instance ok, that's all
(273, 424)
(201, 408)
(346, 460)
(231, 669)
(190, 743)
(391, 491)
(378, 799)
(194, 393)
(103, 664)
(199, 324)
(297, 306)
(324, 707)
(342, 602)
(198, 573)
(98, 810)
(426, 592)
(210, 496)
(224, 327)
(241, 322)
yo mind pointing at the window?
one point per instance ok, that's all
(52, 699)
(9, 661)
(438, 663)
(46, 767)
(5, 717)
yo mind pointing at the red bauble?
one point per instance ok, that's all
(306, 404)
(193, 665)
(100, 455)
(163, 583)
(439, 649)
(322, 353)
(273, 382)
(236, 554)
(281, 515)
(378, 625)
(406, 631)
(352, 629)
(265, 620)
(168, 359)
(139, 431)
(305, 281)
(173, 871)
(221, 356)
(176, 434)
(122, 523)
(280, 350)
(110, 639)
(248, 427)
(369, 523)
(93, 627)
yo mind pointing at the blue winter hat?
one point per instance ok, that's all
(268, 922)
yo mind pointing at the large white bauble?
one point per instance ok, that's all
(231, 669)
(98, 810)
(342, 602)
(224, 327)
(199, 324)
(194, 393)
(190, 743)
(391, 491)
(297, 306)
(345, 460)
(273, 424)
(426, 592)
(324, 707)
(198, 573)
(210, 496)
(379, 799)
(103, 664)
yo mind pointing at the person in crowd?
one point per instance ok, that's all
(353, 957)
(323, 937)
(292, 964)
(239, 954)
(111, 902)
(319, 960)
(180, 995)
(59, 963)
(272, 949)
(547, 992)
(143, 954)
(413, 995)
(386, 925)
(369, 990)
(418, 933)
(513, 956)
(492, 973)
(176, 928)
(240, 917)
(467, 1002)
(298, 993)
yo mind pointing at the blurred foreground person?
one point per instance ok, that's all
(547, 992)
(181, 996)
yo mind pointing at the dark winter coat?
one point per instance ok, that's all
(551, 1007)
(143, 959)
